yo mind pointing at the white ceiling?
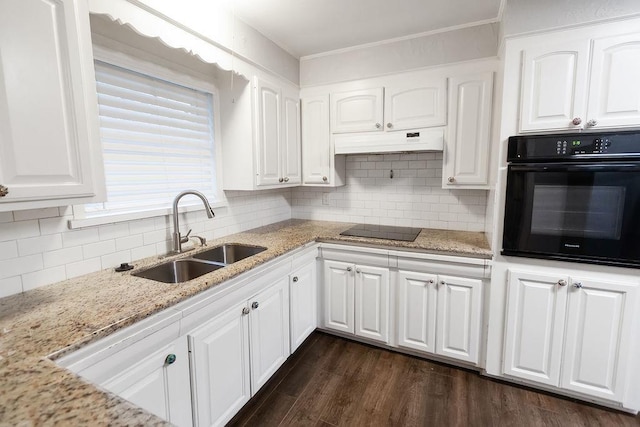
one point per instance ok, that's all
(307, 27)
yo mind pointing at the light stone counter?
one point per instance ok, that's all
(70, 314)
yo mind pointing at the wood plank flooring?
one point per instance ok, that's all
(331, 381)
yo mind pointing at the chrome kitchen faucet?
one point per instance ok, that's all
(178, 239)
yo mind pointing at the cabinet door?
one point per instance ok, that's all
(417, 302)
(466, 157)
(372, 303)
(220, 367)
(554, 86)
(268, 128)
(598, 337)
(316, 142)
(357, 111)
(303, 304)
(416, 105)
(159, 383)
(338, 296)
(269, 324)
(536, 306)
(291, 158)
(459, 318)
(48, 107)
(614, 95)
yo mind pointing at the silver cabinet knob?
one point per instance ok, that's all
(378, 125)
(442, 283)
(325, 179)
(295, 279)
(286, 179)
(592, 123)
(562, 282)
(349, 269)
(281, 180)
(358, 270)
(576, 121)
(255, 305)
(451, 179)
(577, 285)
(245, 311)
(170, 359)
(430, 281)
(389, 125)
(3, 190)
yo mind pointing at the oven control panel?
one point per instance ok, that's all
(577, 145)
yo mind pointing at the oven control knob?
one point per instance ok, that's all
(576, 121)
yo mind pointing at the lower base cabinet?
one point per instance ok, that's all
(440, 314)
(303, 303)
(235, 353)
(570, 331)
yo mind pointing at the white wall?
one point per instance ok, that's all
(385, 58)
(37, 248)
(524, 16)
(414, 197)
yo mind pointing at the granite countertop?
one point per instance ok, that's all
(70, 314)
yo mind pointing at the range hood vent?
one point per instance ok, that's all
(431, 139)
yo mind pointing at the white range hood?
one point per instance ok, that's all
(431, 139)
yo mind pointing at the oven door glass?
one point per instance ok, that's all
(582, 212)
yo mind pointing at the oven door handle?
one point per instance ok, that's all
(581, 167)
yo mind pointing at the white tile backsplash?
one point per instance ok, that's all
(37, 248)
(413, 197)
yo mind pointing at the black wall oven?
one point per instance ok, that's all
(574, 197)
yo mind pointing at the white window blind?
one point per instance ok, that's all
(157, 140)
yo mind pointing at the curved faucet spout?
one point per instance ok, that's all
(178, 240)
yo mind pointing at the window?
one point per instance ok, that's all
(157, 140)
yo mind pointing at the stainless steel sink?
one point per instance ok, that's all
(180, 270)
(229, 253)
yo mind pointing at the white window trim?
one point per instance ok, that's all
(127, 61)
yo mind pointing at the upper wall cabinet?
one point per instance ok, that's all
(466, 155)
(558, 94)
(50, 153)
(320, 167)
(268, 155)
(414, 104)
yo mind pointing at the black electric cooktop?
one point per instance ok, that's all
(406, 234)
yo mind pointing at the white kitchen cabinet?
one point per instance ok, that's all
(50, 152)
(235, 353)
(159, 383)
(468, 143)
(440, 314)
(303, 303)
(320, 167)
(357, 110)
(580, 83)
(356, 299)
(269, 332)
(338, 296)
(614, 92)
(220, 368)
(534, 333)
(459, 318)
(416, 103)
(571, 332)
(277, 128)
(372, 302)
(417, 305)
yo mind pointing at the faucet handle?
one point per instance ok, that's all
(185, 239)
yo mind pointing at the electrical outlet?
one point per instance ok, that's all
(325, 198)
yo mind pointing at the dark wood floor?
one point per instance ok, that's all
(331, 381)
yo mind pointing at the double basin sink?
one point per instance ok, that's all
(182, 270)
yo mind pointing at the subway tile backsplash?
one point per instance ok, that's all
(414, 197)
(37, 248)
